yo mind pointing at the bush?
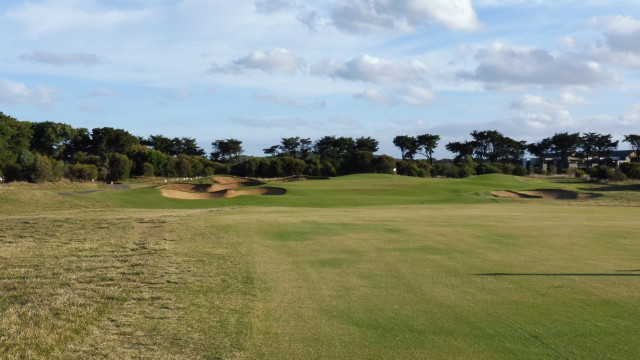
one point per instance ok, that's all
(450, 170)
(519, 170)
(579, 173)
(148, 169)
(116, 167)
(483, 169)
(466, 171)
(631, 170)
(42, 169)
(83, 172)
(616, 175)
(507, 169)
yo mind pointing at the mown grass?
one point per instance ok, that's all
(365, 267)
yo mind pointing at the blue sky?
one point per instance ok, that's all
(261, 70)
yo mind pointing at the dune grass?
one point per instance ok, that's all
(366, 267)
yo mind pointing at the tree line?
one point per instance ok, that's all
(50, 151)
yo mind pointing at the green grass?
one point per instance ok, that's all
(361, 267)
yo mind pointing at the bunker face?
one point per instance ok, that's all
(546, 194)
(225, 187)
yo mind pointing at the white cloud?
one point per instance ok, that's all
(405, 82)
(376, 96)
(273, 61)
(621, 32)
(363, 16)
(572, 99)
(59, 59)
(503, 66)
(622, 41)
(50, 16)
(12, 93)
(375, 70)
(535, 103)
(287, 101)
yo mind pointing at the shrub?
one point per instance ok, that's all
(83, 172)
(519, 170)
(483, 169)
(148, 169)
(616, 175)
(450, 170)
(631, 170)
(466, 171)
(579, 173)
(116, 167)
(507, 169)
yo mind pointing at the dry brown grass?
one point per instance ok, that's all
(120, 285)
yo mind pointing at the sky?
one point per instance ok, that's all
(262, 70)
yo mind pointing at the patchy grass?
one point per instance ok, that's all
(366, 267)
(121, 285)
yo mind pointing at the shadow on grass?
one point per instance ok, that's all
(618, 273)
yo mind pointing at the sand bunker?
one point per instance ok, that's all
(546, 194)
(224, 188)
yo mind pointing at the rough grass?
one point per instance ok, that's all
(117, 285)
(364, 267)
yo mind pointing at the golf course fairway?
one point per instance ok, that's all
(356, 267)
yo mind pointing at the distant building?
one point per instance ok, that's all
(576, 161)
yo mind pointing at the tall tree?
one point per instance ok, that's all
(426, 144)
(407, 145)
(539, 149)
(109, 140)
(367, 144)
(462, 149)
(290, 147)
(50, 138)
(596, 146)
(15, 136)
(564, 144)
(226, 150)
(634, 141)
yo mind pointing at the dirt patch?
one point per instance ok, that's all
(555, 194)
(225, 187)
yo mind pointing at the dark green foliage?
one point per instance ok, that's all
(407, 145)
(52, 139)
(634, 141)
(46, 169)
(109, 140)
(227, 150)
(366, 144)
(519, 170)
(116, 167)
(484, 169)
(563, 144)
(83, 172)
(631, 170)
(15, 136)
(383, 164)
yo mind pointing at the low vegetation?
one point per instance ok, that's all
(362, 267)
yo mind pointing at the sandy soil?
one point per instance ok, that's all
(545, 194)
(225, 187)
